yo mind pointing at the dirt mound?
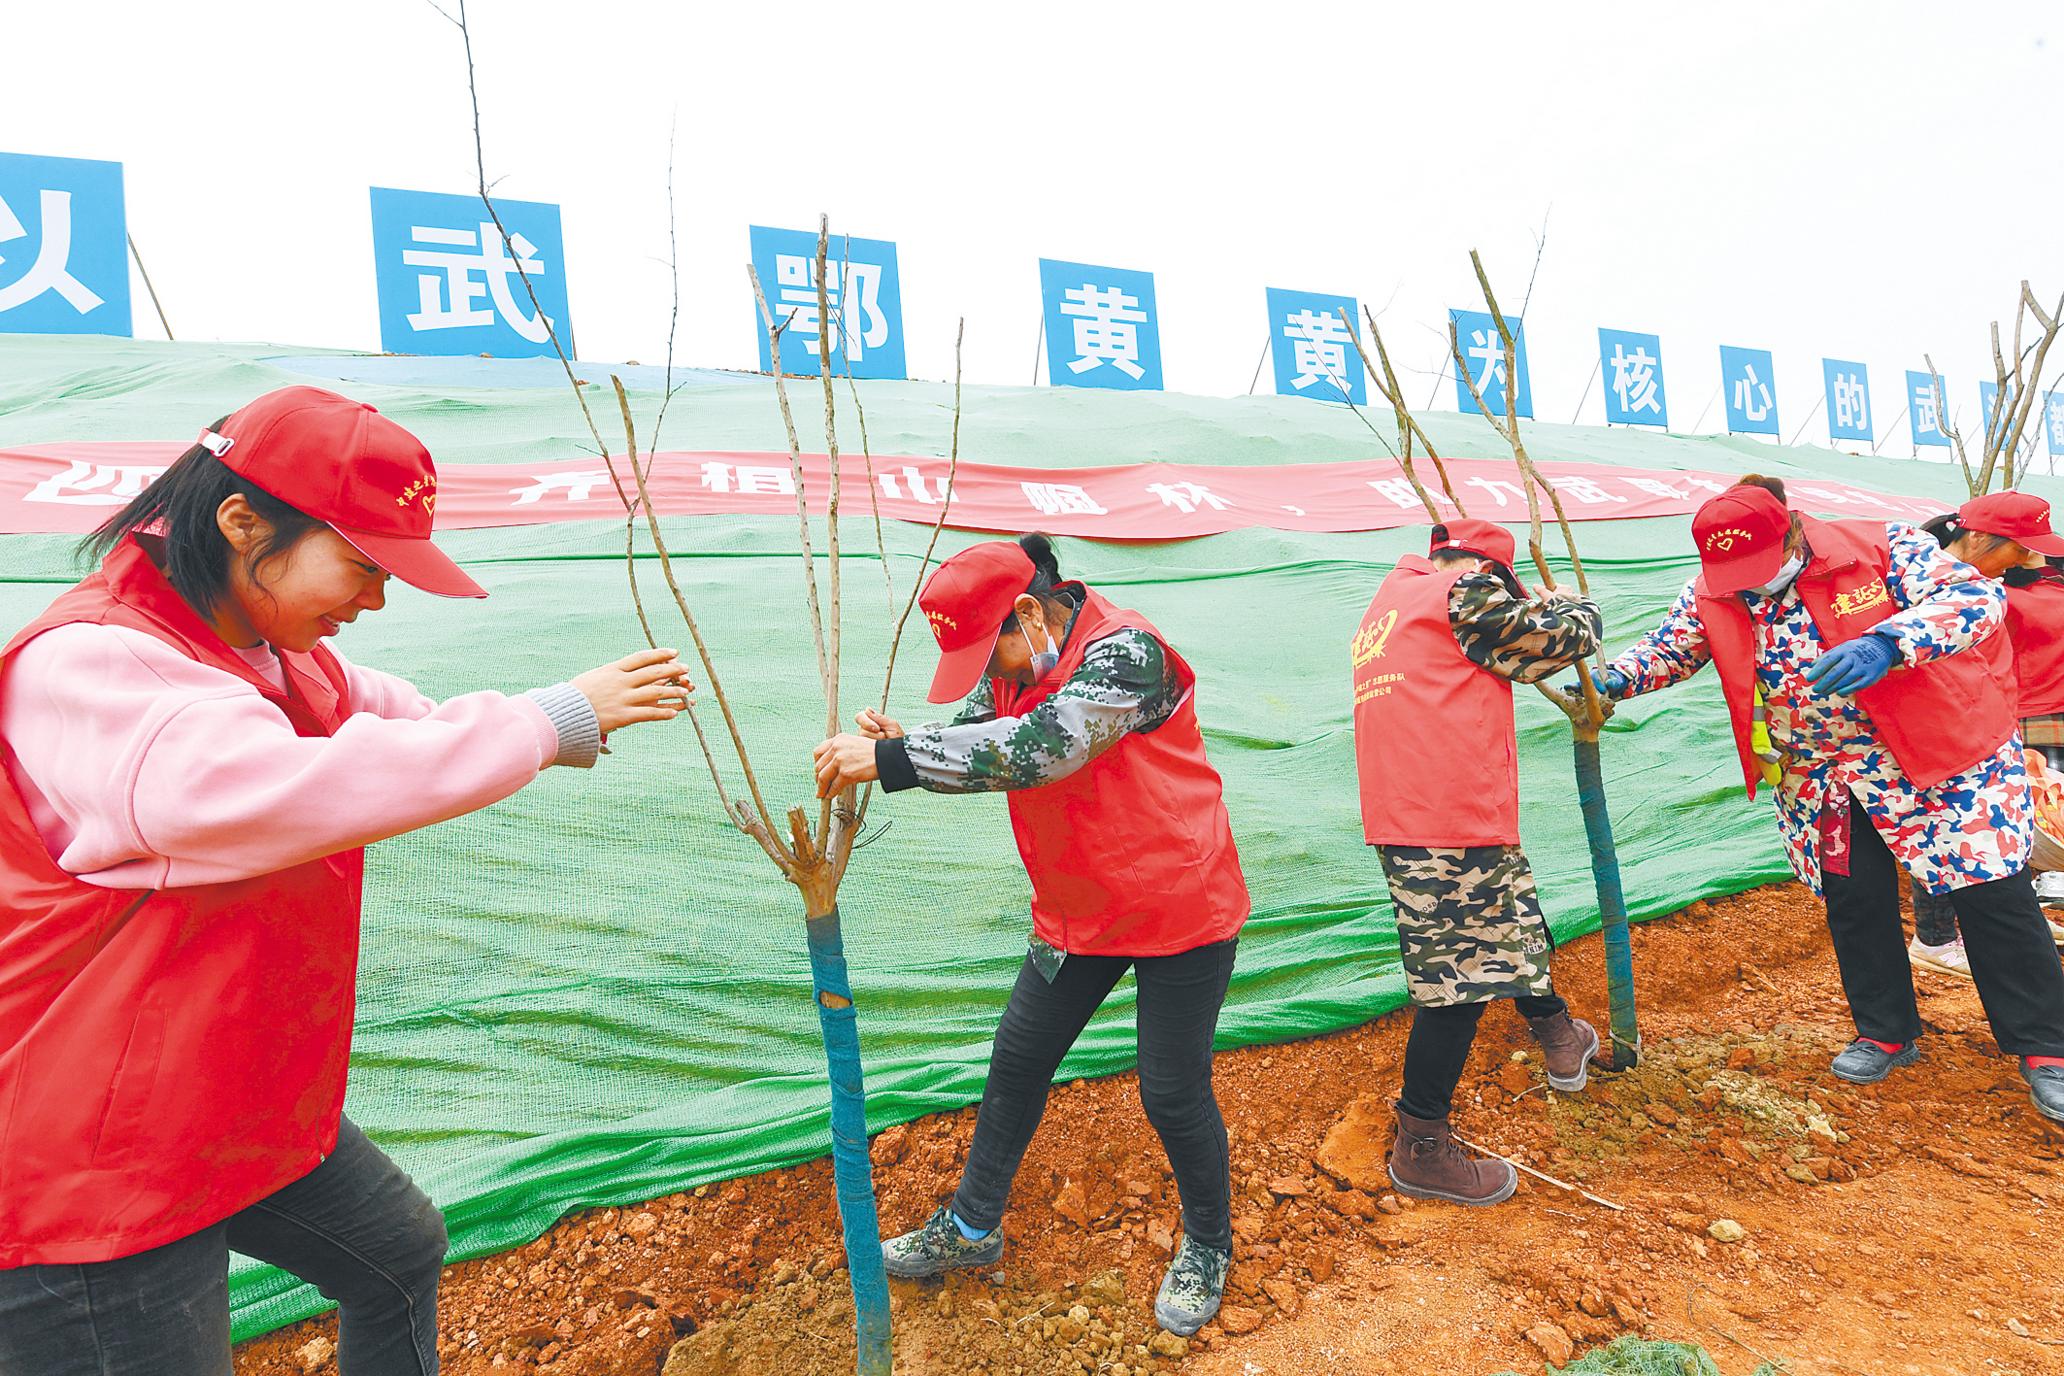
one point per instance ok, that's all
(1907, 1228)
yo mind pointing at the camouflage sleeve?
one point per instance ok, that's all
(1524, 641)
(1125, 683)
(1671, 653)
(979, 705)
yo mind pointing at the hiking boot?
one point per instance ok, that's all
(1191, 1290)
(1567, 1044)
(1949, 957)
(2046, 1089)
(1866, 1063)
(938, 1247)
(1426, 1163)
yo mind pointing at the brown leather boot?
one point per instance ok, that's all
(1567, 1044)
(1425, 1163)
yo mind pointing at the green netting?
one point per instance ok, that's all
(597, 992)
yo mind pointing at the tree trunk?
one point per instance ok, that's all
(1612, 903)
(852, 1172)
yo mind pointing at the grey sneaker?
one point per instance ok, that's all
(1191, 1290)
(2046, 1088)
(1866, 1063)
(937, 1248)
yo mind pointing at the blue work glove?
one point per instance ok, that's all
(1853, 665)
(1611, 685)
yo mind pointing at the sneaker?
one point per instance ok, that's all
(938, 1247)
(1191, 1290)
(1567, 1044)
(1427, 1163)
(2046, 1089)
(1866, 1063)
(2049, 888)
(1949, 958)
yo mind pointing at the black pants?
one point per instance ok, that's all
(355, 1226)
(2013, 960)
(1934, 916)
(1438, 1050)
(1179, 999)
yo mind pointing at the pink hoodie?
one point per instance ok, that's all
(144, 769)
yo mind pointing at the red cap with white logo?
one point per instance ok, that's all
(2021, 517)
(1741, 538)
(966, 603)
(347, 465)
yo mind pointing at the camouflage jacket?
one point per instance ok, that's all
(1124, 683)
(1524, 641)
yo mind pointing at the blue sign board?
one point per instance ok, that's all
(1848, 399)
(1924, 410)
(1102, 328)
(2053, 423)
(1314, 347)
(1632, 366)
(1484, 354)
(448, 284)
(1748, 384)
(861, 288)
(64, 246)
(1988, 397)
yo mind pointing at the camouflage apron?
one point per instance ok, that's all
(1469, 923)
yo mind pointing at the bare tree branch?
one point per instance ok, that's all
(795, 466)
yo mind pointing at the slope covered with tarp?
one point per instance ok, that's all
(597, 991)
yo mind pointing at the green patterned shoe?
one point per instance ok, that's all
(1191, 1290)
(937, 1248)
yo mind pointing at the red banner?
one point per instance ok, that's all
(70, 488)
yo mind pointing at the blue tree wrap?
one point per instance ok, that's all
(1612, 906)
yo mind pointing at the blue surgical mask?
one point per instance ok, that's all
(1043, 661)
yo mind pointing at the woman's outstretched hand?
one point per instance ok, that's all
(845, 760)
(650, 685)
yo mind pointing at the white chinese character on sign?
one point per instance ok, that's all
(854, 301)
(1584, 490)
(93, 484)
(51, 270)
(1496, 487)
(1656, 487)
(1852, 402)
(473, 261)
(1187, 497)
(724, 477)
(1927, 411)
(577, 486)
(1107, 322)
(1401, 492)
(1061, 499)
(1319, 347)
(1747, 390)
(1485, 346)
(1634, 379)
(931, 491)
(2056, 424)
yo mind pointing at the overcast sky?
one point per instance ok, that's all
(1861, 181)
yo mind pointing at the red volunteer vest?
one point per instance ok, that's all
(167, 1057)
(1132, 854)
(1937, 719)
(1435, 743)
(2035, 628)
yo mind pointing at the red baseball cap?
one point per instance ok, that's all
(2021, 517)
(1740, 536)
(345, 464)
(1486, 540)
(966, 602)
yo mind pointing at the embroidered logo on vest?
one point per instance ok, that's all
(1871, 594)
(1368, 642)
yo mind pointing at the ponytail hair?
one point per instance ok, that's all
(1946, 528)
(1046, 572)
(179, 507)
